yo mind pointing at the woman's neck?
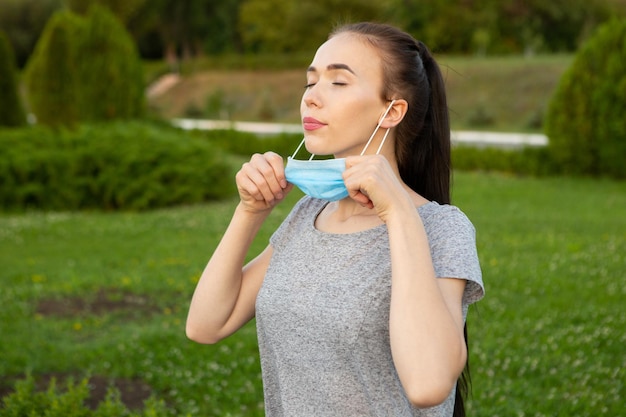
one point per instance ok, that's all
(346, 216)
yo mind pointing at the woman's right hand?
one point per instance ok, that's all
(261, 182)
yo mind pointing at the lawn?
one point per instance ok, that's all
(106, 294)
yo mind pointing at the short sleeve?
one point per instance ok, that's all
(452, 239)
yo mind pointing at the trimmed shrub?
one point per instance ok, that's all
(11, 110)
(110, 73)
(50, 75)
(121, 165)
(585, 121)
(84, 69)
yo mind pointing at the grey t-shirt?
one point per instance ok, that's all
(322, 314)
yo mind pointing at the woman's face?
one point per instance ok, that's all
(342, 103)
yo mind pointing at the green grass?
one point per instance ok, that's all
(548, 339)
(502, 93)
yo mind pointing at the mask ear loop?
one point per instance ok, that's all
(293, 156)
(376, 130)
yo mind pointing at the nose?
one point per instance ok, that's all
(311, 98)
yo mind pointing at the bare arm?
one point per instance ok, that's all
(426, 319)
(223, 300)
(225, 295)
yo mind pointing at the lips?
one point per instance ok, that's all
(309, 123)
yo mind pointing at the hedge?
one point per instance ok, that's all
(122, 165)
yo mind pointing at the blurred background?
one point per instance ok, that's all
(109, 210)
(185, 29)
(520, 47)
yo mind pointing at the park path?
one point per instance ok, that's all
(473, 138)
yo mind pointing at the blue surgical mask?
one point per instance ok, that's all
(323, 178)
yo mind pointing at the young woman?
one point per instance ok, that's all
(361, 295)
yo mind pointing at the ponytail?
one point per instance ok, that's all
(431, 171)
(433, 153)
(422, 138)
(427, 167)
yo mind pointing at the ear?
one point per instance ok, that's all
(396, 113)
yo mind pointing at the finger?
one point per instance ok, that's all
(355, 189)
(262, 171)
(246, 185)
(351, 161)
(361, 198)
(276, 162)
(270, 166)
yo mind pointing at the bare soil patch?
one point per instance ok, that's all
(133, 392)
(104, 301)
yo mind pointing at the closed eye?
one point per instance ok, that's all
(309, 85)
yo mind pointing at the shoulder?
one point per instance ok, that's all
(437, 216)
(452, 240)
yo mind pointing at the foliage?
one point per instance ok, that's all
(547, 340)
(494, 26)
(245, 144)
(288, 26)
(23, 21)
(51, 74)
(529, 161)
(191, 27)
(124, 165)
(181, 29)
(11, 110)
(84, 69)
(109, 73)
(123, 9)
(585, 119)
(26, 400)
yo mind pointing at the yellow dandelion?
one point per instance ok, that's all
(38, 278)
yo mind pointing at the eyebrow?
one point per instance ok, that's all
(333, 67)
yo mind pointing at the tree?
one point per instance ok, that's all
(85, 69)
(11, 111)
(555, 26)
(585, 117)
(123, 9)
(110, 73)
(262, 24)
(50, 74)
(288, 25)
(23, 22)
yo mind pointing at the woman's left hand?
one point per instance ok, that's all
(372, 182)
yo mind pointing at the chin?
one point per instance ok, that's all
(314, 146)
